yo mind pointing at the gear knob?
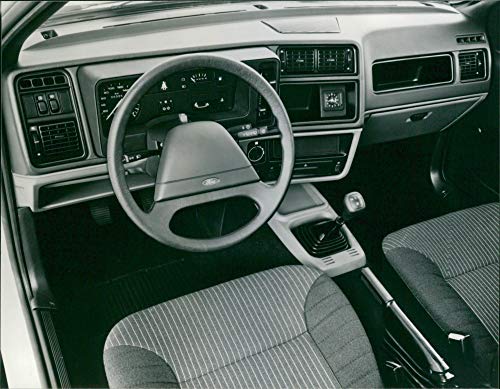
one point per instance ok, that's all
(354, 204)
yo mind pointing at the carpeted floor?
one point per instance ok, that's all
(102, 274)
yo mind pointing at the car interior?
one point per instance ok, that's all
(257, 193)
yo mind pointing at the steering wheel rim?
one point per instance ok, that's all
(156, 222)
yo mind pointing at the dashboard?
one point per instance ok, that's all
(348, 75)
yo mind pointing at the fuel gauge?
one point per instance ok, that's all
(200, 76)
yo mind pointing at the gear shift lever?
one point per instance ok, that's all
(323, 238)
(354, 204)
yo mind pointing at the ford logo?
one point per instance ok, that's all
(210, 181)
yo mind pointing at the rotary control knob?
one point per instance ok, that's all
(255, 153)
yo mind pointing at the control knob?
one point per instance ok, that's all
(255, 153)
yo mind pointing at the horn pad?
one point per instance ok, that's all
(202, 156)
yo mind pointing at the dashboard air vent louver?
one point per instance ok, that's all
(60, 140)
(472, 65)
(318, 60)
(336, 60)
(470, 39)
(297, 60)
(47, 80)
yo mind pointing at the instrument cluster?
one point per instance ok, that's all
(199, 91)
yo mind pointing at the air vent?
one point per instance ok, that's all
(43, 81)
(472, 65)
(298, 60)
(318, 60)
(336, 60)
(59, 141)
(470, 39)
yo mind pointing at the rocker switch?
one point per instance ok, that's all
(54, 106)
(53, 102)
(42, 107)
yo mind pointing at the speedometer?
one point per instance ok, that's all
(110, 93)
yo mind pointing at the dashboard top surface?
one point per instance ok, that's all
(242, 26)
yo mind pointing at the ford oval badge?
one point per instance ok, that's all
(210, 181)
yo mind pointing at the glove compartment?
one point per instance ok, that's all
(389, 125)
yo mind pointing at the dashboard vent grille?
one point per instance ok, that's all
(336, 60)
(297, 60)
(470, 39)
(318, 60)
(60, 140)
(472, 65)
(46, 80)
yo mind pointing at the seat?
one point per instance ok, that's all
(289, 327)
(450, 265)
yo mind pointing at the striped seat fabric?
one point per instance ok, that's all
(450, 264)
(289, 327)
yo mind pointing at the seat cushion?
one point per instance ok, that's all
(450, 264)
(286, 327)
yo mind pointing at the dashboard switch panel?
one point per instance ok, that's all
(51, 123)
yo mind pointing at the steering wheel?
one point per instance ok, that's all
(200, 161)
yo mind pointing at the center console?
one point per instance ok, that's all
(319, 87)
(303, 210)
(318, 237)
